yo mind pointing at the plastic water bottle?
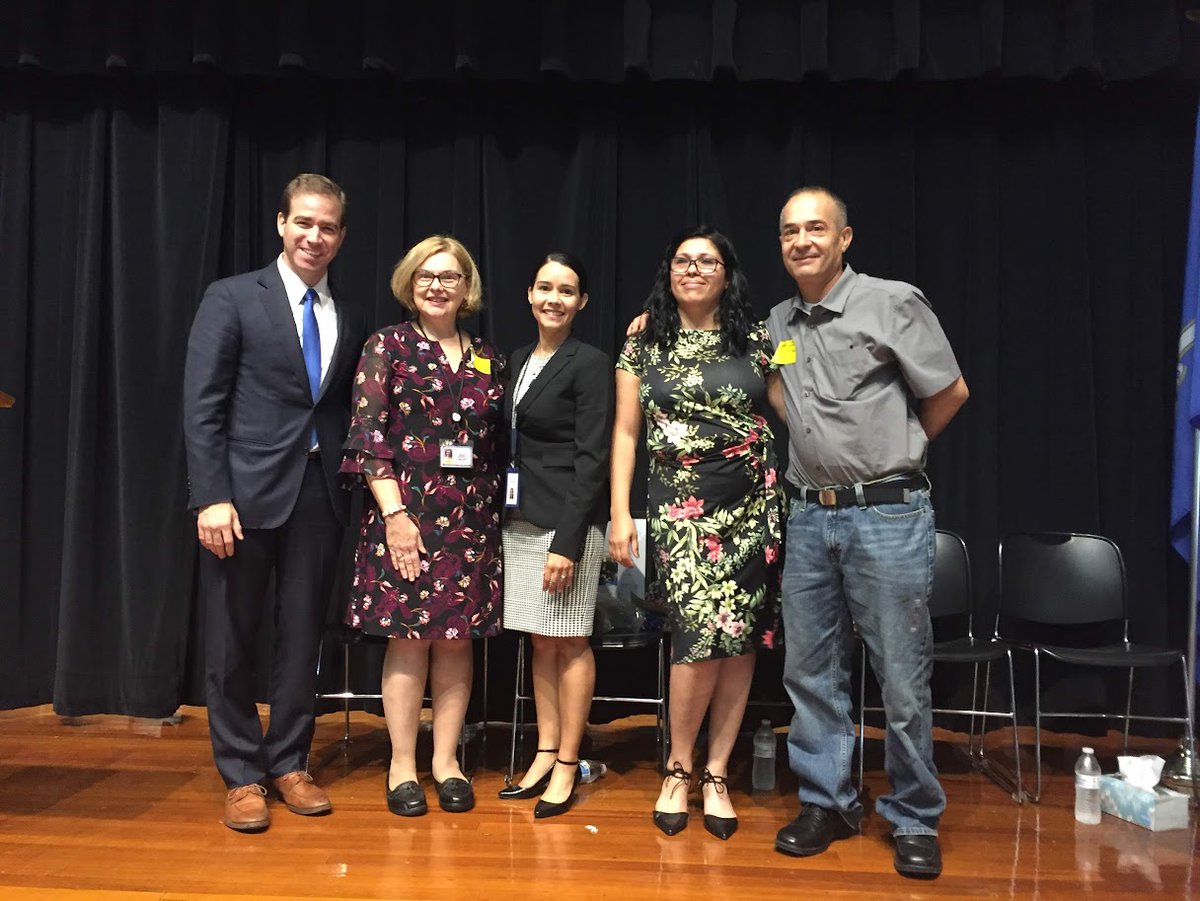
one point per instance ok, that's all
(591, 770)
(1087, 788)
(762, 775)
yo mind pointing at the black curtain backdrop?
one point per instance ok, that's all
(1026, 163)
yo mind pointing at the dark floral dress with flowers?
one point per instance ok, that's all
(405, 395)
(714, 513)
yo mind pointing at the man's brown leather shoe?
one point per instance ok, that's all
(301, 794)
(246, 808)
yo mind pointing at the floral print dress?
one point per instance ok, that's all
(405, 395)
(714, 514)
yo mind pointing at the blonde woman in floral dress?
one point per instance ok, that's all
(426, 438)
(699, 374)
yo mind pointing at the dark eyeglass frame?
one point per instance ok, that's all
(423, 278)
(705, 265)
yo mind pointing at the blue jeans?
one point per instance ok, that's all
(870, 566)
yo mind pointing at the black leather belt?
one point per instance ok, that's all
(893, 492)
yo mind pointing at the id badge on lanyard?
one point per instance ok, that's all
(457, 455)
(512, 487)
(512, 475)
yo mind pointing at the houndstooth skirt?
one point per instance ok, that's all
(529, 609)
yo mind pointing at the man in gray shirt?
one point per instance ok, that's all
(868, 379)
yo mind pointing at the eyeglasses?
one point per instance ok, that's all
(449, 279)
(704, 265)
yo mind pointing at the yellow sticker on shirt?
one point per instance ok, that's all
(785, 353)
(484, 364)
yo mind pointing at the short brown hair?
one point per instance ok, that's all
(311, 183)
(839, 205)
(402, 275)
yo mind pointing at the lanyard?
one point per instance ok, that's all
(516, 393)
(512, 432)
(455, 414)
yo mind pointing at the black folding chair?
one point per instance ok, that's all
(1075, 580)
(951, 606)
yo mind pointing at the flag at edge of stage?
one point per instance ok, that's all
(1187, 398)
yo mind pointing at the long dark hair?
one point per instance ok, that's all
(734, 316)
(563, 258)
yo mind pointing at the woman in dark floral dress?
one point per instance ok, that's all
(699, 375)
(424, 434)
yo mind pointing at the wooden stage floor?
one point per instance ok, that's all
(112, 807)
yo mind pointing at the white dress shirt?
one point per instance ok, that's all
(323, 307)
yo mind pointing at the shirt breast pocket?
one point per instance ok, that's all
(559, 459)
(840, 374)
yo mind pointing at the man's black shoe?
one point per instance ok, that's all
(812, 831)
(918, 856)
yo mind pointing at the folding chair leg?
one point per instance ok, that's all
(1012, 697)
(1190, 724)
(987, 691)
(518, 720)
(975, 706)
(1128, 708)
(1037, 723)
(346, 692)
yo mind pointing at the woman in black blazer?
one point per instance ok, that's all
(562, 390)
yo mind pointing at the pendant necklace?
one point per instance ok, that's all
(462, 353)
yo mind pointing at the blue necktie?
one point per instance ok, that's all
(311, 345)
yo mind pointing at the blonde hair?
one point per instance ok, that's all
(402, 275)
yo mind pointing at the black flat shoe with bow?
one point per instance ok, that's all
(455, 795)
(407, 799)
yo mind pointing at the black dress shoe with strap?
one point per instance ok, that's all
(518, 792)
(674, 823)
(918, 856)
(721, 827)
(814, 830)
(544, 809)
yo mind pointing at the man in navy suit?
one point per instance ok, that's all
(271, 357)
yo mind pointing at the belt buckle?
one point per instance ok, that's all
(827, 497)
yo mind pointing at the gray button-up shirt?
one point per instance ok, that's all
(863, 357)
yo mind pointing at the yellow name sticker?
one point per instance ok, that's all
(484, 364)
(785, 353)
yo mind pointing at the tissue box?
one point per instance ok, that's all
(1156, 809)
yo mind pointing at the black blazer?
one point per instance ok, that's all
(564, 425)
(247, 407)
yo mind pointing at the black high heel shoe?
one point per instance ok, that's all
(544, 809)
(674, 823)
(517, 792)
(721, 827)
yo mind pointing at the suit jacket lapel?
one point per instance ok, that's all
(275, 302)
(561, 358)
